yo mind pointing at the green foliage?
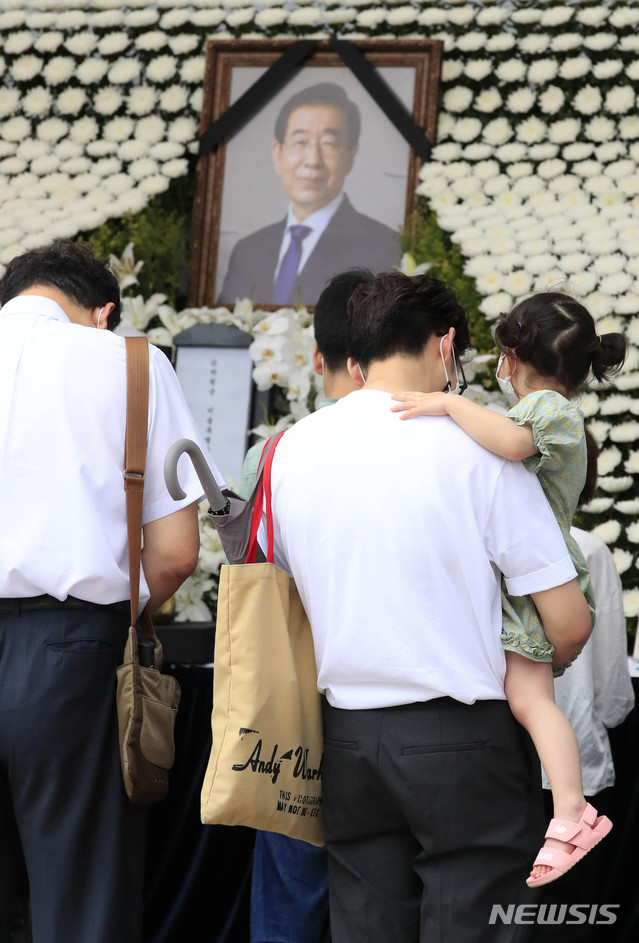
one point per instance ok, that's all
(160, 233)
(427, 242)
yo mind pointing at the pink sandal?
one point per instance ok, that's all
(584, 835)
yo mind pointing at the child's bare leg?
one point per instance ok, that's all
(530, 692)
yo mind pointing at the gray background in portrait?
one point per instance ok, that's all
(253, 195)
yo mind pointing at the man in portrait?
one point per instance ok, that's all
(291, 261)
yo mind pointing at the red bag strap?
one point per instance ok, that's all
(263, 490)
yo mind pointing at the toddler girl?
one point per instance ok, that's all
(549, 346)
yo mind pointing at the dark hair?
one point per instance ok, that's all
(397, 314)
(331, 314)
(556, 335)
(590, 485)
(325, 93)
(71, 268)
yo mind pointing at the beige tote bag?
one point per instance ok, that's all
(265, 768)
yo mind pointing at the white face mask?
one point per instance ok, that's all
(447, 388)
(505, 383)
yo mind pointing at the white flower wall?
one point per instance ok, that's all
(535, 173)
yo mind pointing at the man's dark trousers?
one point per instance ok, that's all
(433, 814)
(60, 778)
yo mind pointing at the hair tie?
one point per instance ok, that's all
(599, 338)
(519, 325)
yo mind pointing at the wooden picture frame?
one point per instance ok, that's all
(238, 192)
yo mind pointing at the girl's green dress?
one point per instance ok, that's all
(558, 432)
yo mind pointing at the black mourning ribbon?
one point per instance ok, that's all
(283, 70)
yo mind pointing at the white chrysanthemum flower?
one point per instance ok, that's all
(565, 131)
(493, 306)
(107, 100)
(589, 405)
(370, 19)
(518, 283)
(9, 101)
(608, 532)
(457, 170)
(614, 405)
(113, 43)
(616, 284)
(151, 41)
(534, 43)
(107, 166)
(270, 17)
(25, 68)
(192, 70)
(37, 102)
(84, 130)
(150, 130)
(500, 42)
(52, 129)
(556, 16)
(175, 168)
(477, 69)
(598, 505)
(588, 100)
(548, 169)
(542, 71)
(166, 150)
(465, 187)
(578, 151)
(621, 99)
(139, 18)
(117, 184)
(600, 129)
(511, 153)
(485, 169)
(144, 167)
(488, 100)
(156, 183)
(630, 602)
(48, 42)
(541, 264)
(458, 99)
(132, 149)
(600, 41)
(551, 100)
(174, 99)
(81, 44)
(59, 70)
(575, 69)
(184, 43)
(402, 16)
(564, 42)
(15, 129)
(628, 507)
(45, 166)
(609, 264)
(526, 16)
(587, 168)
(17, 42)
(91, 71)
(29, 149)
(625, 432)
(118, 129)
(490, 284)
(471, 41)
(509, 261)
(141, 100)
(607, 69)
(614, 485)
(511, 70)
(520, 101)
(124, 70)
(623, 560)
(466, 129)
(162, 69)
(70, 101)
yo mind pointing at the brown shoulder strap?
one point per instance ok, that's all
(137, 412)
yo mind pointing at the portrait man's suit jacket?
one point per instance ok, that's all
(350, 240)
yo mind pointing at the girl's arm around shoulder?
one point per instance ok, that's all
(494, 432)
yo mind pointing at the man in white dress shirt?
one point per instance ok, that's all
(292, 261)
(397, 535)
(64, 589)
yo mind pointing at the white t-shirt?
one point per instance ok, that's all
(596, 692)
(396, 533)
(62, 420)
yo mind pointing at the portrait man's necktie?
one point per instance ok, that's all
(288, 269)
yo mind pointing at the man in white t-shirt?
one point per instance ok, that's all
(397, 535)
(64, 590)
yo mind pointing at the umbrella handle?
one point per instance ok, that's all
(212, 490)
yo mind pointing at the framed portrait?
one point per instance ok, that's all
(317, 180)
